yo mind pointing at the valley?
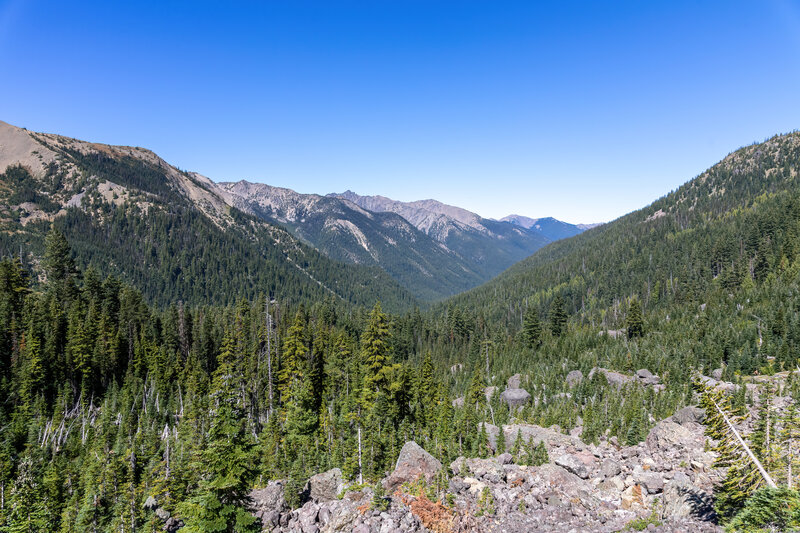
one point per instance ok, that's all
(176, 352)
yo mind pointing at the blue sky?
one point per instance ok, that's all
(579, 110)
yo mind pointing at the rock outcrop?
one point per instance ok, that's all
(516, 397)
(413, 463)
(585, 487)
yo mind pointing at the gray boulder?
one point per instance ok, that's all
(646, 377)
(269, 498)
(573, 464)
(516, 397)
(325, 487)
(689, 415)
(668, 435)
(681, 499)
(514, 381)
(412, 463)
(574, 378)
(610, 468)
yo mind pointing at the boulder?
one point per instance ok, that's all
(514, 381)
(668, 435)
(412, 463)
(632, 497)
(681, 499)
(516, 397)
(307, 517)
(326, 486)
(610, 468)
(614, 378)
(269, 498)
(490, 469)
(689, 415)
(650, 481)
(646, 377)
(489, 392)
(575, 464)
(551, 480)
(458, 402)
(172, 525)
(717, 374)
(574, 378)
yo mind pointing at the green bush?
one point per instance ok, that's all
(768, 509)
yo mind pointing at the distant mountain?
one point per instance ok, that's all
(551, 228)
(489, 246)
(173, 234)
(584, 227)
(344, 231)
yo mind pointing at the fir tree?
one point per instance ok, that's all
(558, 316)
(219, 503)
(532, 328)
(634, 321)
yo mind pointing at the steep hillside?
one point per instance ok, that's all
(550, 227)
(346, 232)
(490, 246)
(172, 233)
(733, 223)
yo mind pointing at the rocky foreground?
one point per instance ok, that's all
(666, 480)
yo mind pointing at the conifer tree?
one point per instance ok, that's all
(218, 504)
(558, 316)
(293, 357)
(375, 349)
(27, 512)
(634, 321)
(501, 442)
(532, 328)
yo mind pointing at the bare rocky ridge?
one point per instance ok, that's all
(584, 487)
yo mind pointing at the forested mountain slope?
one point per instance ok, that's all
(346, 232)
(489, 246)
(170, 232)
(737, 220)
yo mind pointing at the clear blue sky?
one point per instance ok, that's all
(579, 110)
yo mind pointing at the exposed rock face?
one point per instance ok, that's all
(413, 463)
(514, 381)
(516, 397)
(326, 486)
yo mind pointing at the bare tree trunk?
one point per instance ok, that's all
(745, 447)
(360, 472)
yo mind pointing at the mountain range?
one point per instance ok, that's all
(124, 208)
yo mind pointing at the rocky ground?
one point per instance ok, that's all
(584, 487)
